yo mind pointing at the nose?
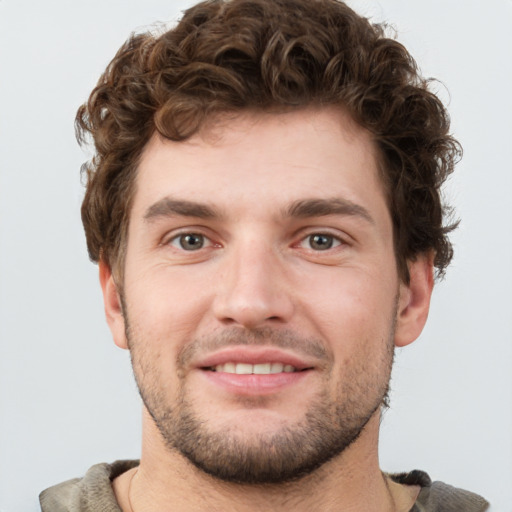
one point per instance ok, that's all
(253, 291)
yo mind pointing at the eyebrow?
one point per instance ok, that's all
(168, 207)
(303, 208)
(322, 207)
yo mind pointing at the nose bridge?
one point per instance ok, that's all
(253, 287)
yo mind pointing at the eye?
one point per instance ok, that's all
(320, 242)
(190, 241)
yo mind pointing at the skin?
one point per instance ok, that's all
(260, 272)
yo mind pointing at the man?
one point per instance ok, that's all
(264, 206)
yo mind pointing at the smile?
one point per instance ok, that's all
(254, 369)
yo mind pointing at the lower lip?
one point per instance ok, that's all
(252, 385)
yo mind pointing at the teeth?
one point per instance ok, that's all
(256, 369)
(276, 368)
(229, 368)
(261, 369)
(243, 369)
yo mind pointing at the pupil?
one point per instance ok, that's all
(321, 242)
(191, 242)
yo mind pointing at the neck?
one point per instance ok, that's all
(352, 482)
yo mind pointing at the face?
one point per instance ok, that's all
(261, 301)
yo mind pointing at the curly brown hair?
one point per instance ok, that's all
(234, 55)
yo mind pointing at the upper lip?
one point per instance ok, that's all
(253, 355)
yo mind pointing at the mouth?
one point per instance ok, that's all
(255, 371)
(267, 368)
(263, 360)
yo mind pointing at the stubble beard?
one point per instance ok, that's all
(327, 429)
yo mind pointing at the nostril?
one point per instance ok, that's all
(251, 308)
(228, 321)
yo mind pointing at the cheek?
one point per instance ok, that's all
(351, 307)
(166, 304)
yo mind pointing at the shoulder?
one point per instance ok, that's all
(91, 493)
(441, 497)
(446, 498)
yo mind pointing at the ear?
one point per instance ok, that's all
(414, 300)
(113, 307)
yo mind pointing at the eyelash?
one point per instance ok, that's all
(178, 239)
(332, 241)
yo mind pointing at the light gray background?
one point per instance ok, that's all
(67, 398)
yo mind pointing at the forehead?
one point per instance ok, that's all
(260, 161)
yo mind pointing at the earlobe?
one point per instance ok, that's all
(113, 306)
(414, 301)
